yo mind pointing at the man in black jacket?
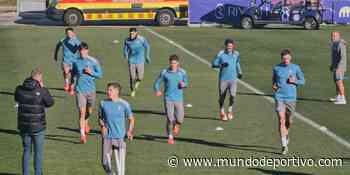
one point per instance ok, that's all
(32, 98)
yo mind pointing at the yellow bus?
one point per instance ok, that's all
(74, 12)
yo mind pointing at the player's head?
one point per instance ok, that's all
(114, 90)
(36, 74)
(133, 32)
(229, 45)
(286, 56)
(84, 49)
(70, 32)
(174, 62)
(335, 36)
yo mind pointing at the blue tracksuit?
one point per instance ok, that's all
(137, 50)
(85, 82)
(114, 113)
(70, 49)
(287, 92)
(171, 80)
(233, 68)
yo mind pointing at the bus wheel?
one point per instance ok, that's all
(165, 18)
(72, 17)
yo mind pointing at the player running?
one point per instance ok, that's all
(70, 46)
(137, 52)
(175, 80)
(112, 115)
(286, 78)
(228, 61)
(338, 66)
(86, 70)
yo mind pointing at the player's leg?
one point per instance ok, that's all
(91, 100)
(281, 112)
(38, 140)
(180, 115)
(82, 103)
(67, 75)
(222, 95)
(340, 88)
(169, 109)
(232, 92)
(107, 155)
(132, 76)
(120, 154)
(27, 147)
(140, 69)
(290, 109)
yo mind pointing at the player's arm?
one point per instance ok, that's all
(101, 121)
(148, 50)
(57, 49)
(274, 81)
(131, 119)
(343, 56)
(300, 77)
(184, 82)
(216, 63)
(96, 71)
(157, 84)
(238, 68)
(126, 50)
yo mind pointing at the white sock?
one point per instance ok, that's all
(284, 141)
(222, 110)
(82, 132)
(66, 81)
(230, 108)
(171, 136)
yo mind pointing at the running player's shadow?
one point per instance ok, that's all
(271, 95)
(92, 131)
(97, 92)
(162, 114)
(54, 137)
(9, 174)
(253, 148)
(276, 172)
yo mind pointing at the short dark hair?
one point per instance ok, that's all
(83, 45)
(174, 57)
(115, 85)
(69, 29)
(35, 72)
(229, 41)
(132, 29)
(286, 52)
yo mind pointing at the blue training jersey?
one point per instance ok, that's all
(172, 90)
(70, 49)
(232, 68)
(85, 83)
(137, 50)
(287, 92)
(114, 114)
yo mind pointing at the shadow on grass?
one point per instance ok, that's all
(75, 130)
(276, 172)
(251, 148)
(54, 137)
(271, 95)
(12, 94)
(163, 114)
(97, 92)
(9, 174)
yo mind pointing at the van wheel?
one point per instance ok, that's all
(165, 18)
(247, 23)
(72, 17)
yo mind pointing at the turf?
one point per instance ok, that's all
(252, 133)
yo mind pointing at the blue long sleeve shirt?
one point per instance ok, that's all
(137, 51)
(86, 83)
(233, 68)
(70, 49)
(172, 80)
(287, 92)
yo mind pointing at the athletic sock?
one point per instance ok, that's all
(82, 132)
(222, 110)
(171, 137)
(284, 140)
(66, 81)
(230, 109)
